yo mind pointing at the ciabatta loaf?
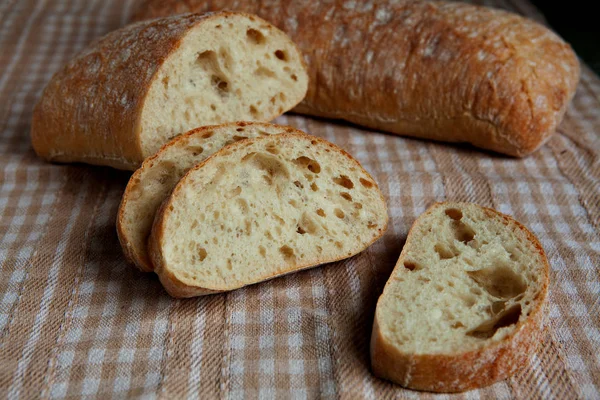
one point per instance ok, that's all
(152, 183)
(463, 307)
(437, 70)
(260, 208)
(136, 88)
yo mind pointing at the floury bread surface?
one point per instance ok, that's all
(136, 88)
(438, 70)
(464, 305)
(152, 183)
(264, 207)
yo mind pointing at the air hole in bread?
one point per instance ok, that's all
(358, 206)
(314, 187)
(346, 196)
(321, 213)
(339, 213)
(411, 266)
(208, 135)
(216, 214)
(457, 325)
(163, 172)
(288, 252)
(497, 307)
(268, 163)
(366, 183)
(202, 253)
(300, 230)
(243, 205)
(462, 232)
(281, 54)
(339, 245)
(344, 181)
(282, 96)
(253, 110)
(308, 163)
(237, 138)
(165, 82)
(213, 107)
(489, 328)
(294, 77)
(255, 36)
(319, 249)
(196, 150)
(454, 213)
(444, 251)
(499, 281)
(263, 71)
(371, 225)
(262, 251)
(272, 149)
(293, 203)
(234, 192)
(298, 184)
(221, 84)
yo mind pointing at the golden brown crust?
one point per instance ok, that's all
(457, 72)
(469, 370)
(90, 110)
(176, 286)
(133, 254)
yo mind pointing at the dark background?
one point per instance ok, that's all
(578, 23)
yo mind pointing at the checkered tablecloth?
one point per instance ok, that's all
(76, 320)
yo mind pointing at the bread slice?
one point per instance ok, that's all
(464, 305)
(152, 183)
(136, 88)
(264, 207)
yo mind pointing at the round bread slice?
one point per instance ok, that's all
(152, 183)
(264, 207)
(464, 305)
(136, 88)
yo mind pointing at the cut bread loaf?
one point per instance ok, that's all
(464, 305)
(152, 183)
(260, 208)
(136, 88)
(438, 70)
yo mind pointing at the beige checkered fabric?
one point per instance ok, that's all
(77, 321)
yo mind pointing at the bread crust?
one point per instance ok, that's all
(467, 370)
(457, 72)
(180, 288)
(134, 255)
(90, 110)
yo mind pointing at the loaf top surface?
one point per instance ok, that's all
(136, 88)
(432, 66)
(468, 278)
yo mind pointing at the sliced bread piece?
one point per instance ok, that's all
(152, 183)
(260, 208)
(136, 88)
(464, 305)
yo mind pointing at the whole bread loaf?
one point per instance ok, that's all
(136, 88)
(260, 208)
(464, 305)
(438, 70)
(153, 182)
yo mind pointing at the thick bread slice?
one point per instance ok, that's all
(464, 305)
(438, 70)
(152, 183)
(136, 88)
(264, 207)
